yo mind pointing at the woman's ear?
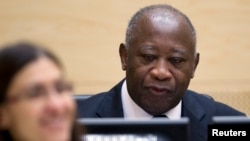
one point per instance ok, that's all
(4, 119)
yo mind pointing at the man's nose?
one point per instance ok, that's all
(162, 70)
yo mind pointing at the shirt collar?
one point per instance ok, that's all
(132, 110)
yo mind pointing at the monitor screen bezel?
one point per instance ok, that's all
(177, 129)
(231, 120)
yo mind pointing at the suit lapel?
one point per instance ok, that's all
(192, 107)
(194, 111)
(111, 105)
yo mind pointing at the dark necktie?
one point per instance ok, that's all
(160, 116)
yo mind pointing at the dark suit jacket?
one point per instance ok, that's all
(197, 107)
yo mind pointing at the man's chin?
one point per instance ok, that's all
(156, 110)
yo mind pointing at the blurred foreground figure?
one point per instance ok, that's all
(36, 101)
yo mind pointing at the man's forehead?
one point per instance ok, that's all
(161, 17)
(161, 14)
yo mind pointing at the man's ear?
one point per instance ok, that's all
(4, 119)
(196, 62)
(123, 56)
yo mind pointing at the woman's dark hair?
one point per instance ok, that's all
(14, 57)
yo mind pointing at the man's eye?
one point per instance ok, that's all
(149, 58)
(176, 60)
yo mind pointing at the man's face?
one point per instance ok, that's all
(159, 63)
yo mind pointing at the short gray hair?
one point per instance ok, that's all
(145, 11)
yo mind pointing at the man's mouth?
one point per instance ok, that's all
(159, 90)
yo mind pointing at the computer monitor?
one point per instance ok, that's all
(225, 127)
(120, 129)
(231, 120)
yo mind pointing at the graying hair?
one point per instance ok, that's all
(145, 11)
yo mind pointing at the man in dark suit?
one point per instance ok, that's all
(160, 58)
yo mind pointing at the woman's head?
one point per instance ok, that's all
(35, 99)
